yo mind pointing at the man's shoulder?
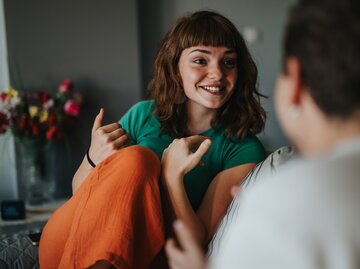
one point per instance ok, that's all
(302, 184)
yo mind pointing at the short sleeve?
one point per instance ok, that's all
(135, 118)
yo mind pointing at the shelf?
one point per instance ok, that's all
(36, 218)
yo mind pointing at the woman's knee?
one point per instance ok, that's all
(143, 157)
(136, 162)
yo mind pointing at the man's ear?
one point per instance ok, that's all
(293, 72)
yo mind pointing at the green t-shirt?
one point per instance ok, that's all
(144, 129)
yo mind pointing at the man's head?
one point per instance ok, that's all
(321, 63)
(325, 38)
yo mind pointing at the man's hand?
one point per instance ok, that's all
(189, 254)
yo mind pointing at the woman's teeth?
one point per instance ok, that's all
(212, 89)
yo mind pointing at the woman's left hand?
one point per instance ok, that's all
(178, 158)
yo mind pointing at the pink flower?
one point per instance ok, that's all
(72, 108)
(38, 113)
(66, 86)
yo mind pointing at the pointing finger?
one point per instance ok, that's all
(195, 139)
(195, 158)
(202, 149)
(98, 120)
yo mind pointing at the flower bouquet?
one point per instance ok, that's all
(37, 120)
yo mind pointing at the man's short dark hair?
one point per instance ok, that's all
(325, 37)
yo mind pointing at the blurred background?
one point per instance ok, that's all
(107, 49)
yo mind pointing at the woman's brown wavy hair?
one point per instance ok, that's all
(242, 114)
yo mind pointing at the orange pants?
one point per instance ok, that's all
(115, 215)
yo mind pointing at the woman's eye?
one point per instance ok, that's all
(229, 63)
(200, 61)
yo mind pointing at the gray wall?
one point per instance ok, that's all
(94, 43)
(108, 47)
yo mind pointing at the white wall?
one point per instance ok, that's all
(8, 185)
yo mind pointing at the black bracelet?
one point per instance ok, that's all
(89, 159)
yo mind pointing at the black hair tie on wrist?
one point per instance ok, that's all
(89, 159)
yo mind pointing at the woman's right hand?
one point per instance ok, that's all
(107, 139)
(183, 154)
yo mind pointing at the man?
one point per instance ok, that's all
(307, 215)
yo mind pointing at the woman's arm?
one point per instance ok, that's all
(177, 160)
(105, 140)
(218, 197)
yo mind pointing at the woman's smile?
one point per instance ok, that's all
(215, 90)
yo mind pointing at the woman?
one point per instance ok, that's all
(201, 121)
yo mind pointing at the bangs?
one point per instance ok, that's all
(208, 31)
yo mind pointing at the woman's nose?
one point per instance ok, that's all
(215, 72)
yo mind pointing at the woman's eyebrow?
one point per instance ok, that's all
(209, 52)
(200, 50)
(230, 51)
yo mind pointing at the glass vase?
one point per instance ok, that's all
(35, 159)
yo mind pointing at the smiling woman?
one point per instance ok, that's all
(201, 123)
(189, 35)
(209, 75)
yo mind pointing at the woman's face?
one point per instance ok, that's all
(208, 74)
